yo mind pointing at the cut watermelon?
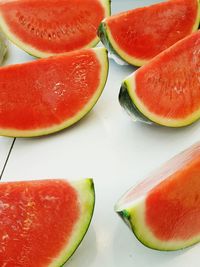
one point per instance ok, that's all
(46, 27)
(166, 90)
(48, 95)
(43, 222)
(140, 34)
(164, 210)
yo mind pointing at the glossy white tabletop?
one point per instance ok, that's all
(117, 153)
(5, 146)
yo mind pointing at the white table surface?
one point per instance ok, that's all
(117, 153)
(5, 145)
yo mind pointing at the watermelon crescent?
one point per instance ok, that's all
(43, 221)
(140, 34)
(47, 27)
(48, 95)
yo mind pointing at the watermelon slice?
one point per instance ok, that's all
(46, 27)
(164, 210)
(48, 95)
(166, 90)
(43, 222)
(139, 35)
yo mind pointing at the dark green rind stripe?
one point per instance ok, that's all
(103, 35)
(130, 107)
(109, 6)
(125, 216)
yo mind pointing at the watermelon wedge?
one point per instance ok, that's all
(164, 210)
(48, 95)
(138, 35)
(43, 222)
(166, 90)
(46, 27)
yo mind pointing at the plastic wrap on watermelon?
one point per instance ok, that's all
(111, 53)
(166, 90)
(130, 108)
(117, 59)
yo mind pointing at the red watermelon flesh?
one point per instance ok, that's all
(183, 60)
(139, 35)
(166, 90)
(43, 27)
(38, 220)
(163, 211)
(47, 95)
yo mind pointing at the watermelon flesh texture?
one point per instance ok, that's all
(48, 95)
(163, 211)
(43, 222)
(139, 35)
(166, 90)
(46, 27)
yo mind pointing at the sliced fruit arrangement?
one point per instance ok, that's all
(164, 210)
(44, 221)
(3, 48)
(166, 90)
(48, 95)
(139, 35)
(46, 27)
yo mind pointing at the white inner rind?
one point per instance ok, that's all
(34, 51)
(131, 59)
(102, 56)
(131, 87)
(130, 84)
(128, 58)
(86, 197)
(132, 205)
(107, 7)
(136, 217)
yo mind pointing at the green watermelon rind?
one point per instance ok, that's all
(102, 55)
(138, 111)
(40, 54)
(3, 48)
(86, 194)
(133, 214)
(107, 39)
(128, 104)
